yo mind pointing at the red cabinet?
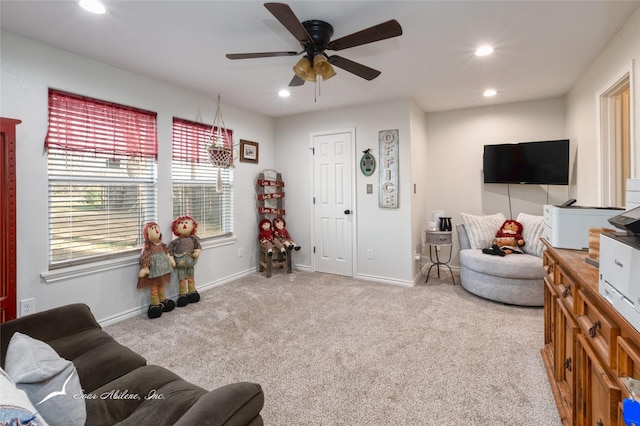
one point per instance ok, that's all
(8, 209)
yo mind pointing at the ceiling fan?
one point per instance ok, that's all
(315, 38)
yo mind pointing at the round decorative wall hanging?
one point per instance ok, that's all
(367, 163)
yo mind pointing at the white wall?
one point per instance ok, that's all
(420, 214)
(582, 112)
(387, 232)
(28, 70)
(454, 166)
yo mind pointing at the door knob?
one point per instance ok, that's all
(347, 211)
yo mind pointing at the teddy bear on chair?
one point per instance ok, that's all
(185, 251)
(156, 265)
(508, 239)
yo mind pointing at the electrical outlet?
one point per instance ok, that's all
(240, 252)
(27, 306)
(369, 253)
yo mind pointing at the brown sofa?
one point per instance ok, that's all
(104, 366)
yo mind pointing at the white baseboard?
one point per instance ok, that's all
(384, 280)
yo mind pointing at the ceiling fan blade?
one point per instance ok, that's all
(354, 67)
(378, 32)
(296, 81)
(285, 15)
(259, 55)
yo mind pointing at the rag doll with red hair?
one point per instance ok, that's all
(267, 239)
(508, 239)
(155, 270)
(282, 235)
(185, 251)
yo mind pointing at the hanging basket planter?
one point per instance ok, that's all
(220, 156)
(220, 146)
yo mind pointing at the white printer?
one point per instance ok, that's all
(619, 277)
(568, 226)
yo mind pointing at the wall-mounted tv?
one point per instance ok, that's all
(536, 163)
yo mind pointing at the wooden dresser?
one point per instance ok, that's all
(588, 346)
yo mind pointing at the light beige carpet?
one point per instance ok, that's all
(329, 350)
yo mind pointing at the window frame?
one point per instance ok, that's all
(87, 140)
(191, 167)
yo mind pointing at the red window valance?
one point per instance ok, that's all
(190, 140)
(78, 123)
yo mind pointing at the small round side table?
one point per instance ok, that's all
(436, 241)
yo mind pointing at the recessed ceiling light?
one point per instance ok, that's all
(93, 6)
(284, 93)
(484, 50)
(490, 92)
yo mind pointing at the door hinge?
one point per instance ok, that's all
(314, 200)
(313, 151)
(314, 249)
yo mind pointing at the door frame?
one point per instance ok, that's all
(354, 216)
(608, 140)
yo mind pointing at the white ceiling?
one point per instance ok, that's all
(541, 47)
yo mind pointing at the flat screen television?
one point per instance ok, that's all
(536, 163)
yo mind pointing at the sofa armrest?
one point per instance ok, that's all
(49, 325)
(463, 238)
(236, 404)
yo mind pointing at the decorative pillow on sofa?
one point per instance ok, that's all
(482, 229)
(15, 407)
(49, 380)
(532, 229)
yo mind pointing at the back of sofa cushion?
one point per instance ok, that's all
(49, 325)
(98, 357)
(149, 395)
(73, 332)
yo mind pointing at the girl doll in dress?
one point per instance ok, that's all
(156, 266)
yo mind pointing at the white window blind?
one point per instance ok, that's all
(102, 178)
(195, 180)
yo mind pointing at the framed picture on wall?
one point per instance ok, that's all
(248, 151)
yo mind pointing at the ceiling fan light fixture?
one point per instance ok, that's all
(303, 69)
(323, 68)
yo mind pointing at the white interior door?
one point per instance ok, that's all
(332, 208)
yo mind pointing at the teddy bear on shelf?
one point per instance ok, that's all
(282, 235)
(156, 265)
(185, 251)
(267, 239)
(508, 239)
